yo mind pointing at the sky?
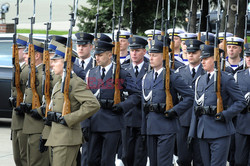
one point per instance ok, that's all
(60, 13)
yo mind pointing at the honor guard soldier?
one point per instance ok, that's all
(189, 74)
(242, 135)
(65, 136)
(221, 38)
(177, 44)
(211, 39)
(55, 41)
(84, 47)
(124, 53)
(234, 48)
(214, 129)
(33, 123)
(19, 139)
(106, 124)
(150, 33)
(161, 125)
(184, 37)
(134, 147)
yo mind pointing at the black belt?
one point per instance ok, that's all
(106, 103)
(158, 107)
(205, 110)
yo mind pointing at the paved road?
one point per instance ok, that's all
(6, 154)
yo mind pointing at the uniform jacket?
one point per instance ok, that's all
(132, 117)
(156, 123)
(105, 120)
(83, 105)
(80, 72)
(205, 126)
(31, 125)
(184, 71)
(17, 120)
(243, 120)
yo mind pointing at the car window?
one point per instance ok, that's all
(6, 53)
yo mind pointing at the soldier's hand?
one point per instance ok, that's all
(117, 108)
(62, 121)
(26, 107)
(85, 133)
(220, 117)
(34, 114)
(46, 121)
(42, 147)
(170, 114)
(54, 116)
(18, 111)
(189, 142)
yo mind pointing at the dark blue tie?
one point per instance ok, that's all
(103, 73)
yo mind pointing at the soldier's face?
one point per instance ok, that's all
(83, 51)
(137, 55)
(233, 51)
(26, 56)
(177, 42)
(194, 57)
(248, 61)
(184, 47)
(123, 44)
(156, 60)
(103, 59)
(221, 45)
(208, 64)
(57, 66)
(20, 53)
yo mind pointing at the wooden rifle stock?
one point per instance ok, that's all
(199, 36)
(46, 62)
(68, 65)
(35, 96)
(169, 101)
(172, 53)
(218, 79)
(117, 94)
(15, 56)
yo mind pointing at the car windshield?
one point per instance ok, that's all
(5, 53)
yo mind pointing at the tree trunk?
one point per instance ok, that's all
(204, 15)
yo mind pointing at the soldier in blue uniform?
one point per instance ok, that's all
(160, 125)
(134, 147)
(242, 135)
(184, 37)
(189, 74)
(234, 48)
(124, 53)
(214, 129)
(84, 47)
(106, 125)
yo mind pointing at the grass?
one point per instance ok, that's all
(43, 32)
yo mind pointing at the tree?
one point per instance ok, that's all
(143, 15)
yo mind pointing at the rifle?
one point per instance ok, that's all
(131, 19)
(199, 25)
(217, 69)
(245, 35)
(117, 94)
(156, 14)
(172, 40)
(224, 54)
(113, 41)
(162, 19)
(166, 75)
(236, 19)
(15, 62)
(46, 67)
(208, 20)
(189, 16)
(68, 64)
(32, 66)
(96, 24)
